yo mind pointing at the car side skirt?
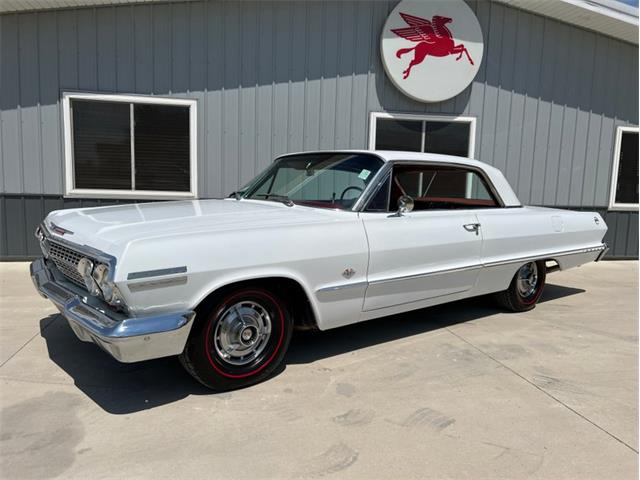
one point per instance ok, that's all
(494, 277)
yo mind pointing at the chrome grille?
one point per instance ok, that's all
(66, 259)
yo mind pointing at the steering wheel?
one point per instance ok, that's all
(353, 187)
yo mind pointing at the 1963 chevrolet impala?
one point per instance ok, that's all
(319, 240)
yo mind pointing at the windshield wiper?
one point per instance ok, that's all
(278, 198)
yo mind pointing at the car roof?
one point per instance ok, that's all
(393, 155)
(398, 155)
(500, 183)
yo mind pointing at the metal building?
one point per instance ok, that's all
(192, 99)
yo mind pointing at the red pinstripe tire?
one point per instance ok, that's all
(525, 288)
(240, 340)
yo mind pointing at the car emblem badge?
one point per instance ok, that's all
(348, 273)
(60, 230)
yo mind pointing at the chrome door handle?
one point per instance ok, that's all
(472, 227)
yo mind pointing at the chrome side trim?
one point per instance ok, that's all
(334, 288)
(426, 274)
(603, 248)
(546, 255)
(152, 284)
(156, 273)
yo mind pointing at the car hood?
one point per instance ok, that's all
(110, 228)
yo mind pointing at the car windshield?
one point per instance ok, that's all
(326, 180)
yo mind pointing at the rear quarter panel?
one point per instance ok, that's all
(517, 233)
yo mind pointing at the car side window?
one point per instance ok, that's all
(440, 188)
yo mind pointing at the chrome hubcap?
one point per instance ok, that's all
(527, 279)
(242, 333)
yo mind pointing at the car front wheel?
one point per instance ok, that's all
(525, 288)
(239, 341)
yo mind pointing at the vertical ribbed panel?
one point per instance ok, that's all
(274, 77)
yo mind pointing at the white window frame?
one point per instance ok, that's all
(614, 172)
(374, 116)
(71, 191)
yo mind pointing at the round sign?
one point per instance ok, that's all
(431, 49)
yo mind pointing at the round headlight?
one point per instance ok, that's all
(101, 276)
(110, 292)
(85, 269)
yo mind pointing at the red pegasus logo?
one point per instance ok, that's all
(433, 38)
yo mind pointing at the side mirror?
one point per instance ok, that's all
(405, 204)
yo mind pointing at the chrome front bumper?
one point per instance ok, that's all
(126, 339)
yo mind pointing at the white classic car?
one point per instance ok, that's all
(318, 240)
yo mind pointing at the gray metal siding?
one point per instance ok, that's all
(23, 213)
(274, 77)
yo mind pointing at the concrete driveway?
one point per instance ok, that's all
(457, 391)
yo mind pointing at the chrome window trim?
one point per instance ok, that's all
(371, 190)
(355, 208)
(376, 190)
(391, 163)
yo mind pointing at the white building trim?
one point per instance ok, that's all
(374, 116)
(614, 173)
(71, 191)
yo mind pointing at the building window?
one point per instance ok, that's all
(624, 178)
(126, 146)
(445, 135)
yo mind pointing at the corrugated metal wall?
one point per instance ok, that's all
(274, 77)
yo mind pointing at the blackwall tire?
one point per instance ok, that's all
(239, 341)
(522, 294)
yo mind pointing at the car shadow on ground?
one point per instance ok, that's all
(120, 388)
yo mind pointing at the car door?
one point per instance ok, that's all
(432, 251)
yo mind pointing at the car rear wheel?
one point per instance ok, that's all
(525, 288)
(240, 340)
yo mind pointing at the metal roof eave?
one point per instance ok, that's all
(608, 17)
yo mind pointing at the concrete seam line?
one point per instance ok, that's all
(543, 391)
(27, 343)
(63, 384)
(36, 382)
